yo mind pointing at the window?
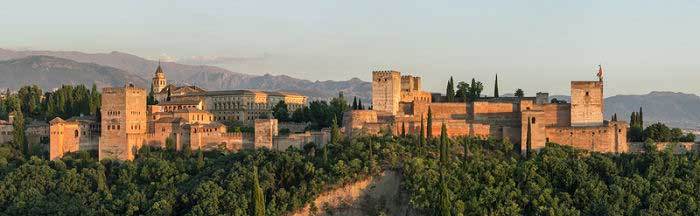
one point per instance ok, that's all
(534, 120)
(586, 93)
(76, 133)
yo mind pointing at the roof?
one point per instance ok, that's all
(180, 102)
(189, 110)
(159, 69)
(247, 91)
(174, 88)
(169, 120)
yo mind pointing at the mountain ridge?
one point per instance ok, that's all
(207, 77)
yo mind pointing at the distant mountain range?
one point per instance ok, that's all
(51, 69)
(50, 72)
(672, 108)
(208, 77)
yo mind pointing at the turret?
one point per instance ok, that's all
(159, 81)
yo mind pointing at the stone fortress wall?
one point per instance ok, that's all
(501, 117)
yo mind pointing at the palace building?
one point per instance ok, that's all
(230, 105)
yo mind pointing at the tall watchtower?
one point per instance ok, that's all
(159, 81)
(587, 104)
(124, 122)
(386, 91)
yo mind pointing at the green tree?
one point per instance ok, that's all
(450, 93)
(170, 144)
(445, 207)
(528, 140)
(429, 127)
(495, 88)
(475, 90)
(354, 103)
(338, 106)
(335, 132)
(18, 134)
(258, 208)
(519, 93)
(462, 90)
(280, 111)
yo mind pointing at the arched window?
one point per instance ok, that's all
(533, 120)
(76, 133)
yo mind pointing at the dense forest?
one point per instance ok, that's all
(442, 176)
(469, 176)
(166, 182)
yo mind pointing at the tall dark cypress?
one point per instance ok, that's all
(641, 117)
(359, 105)
(495, 89)
(445, 205)
(258, 208)
(354, 103)
(450, 92)
(429, 128)
(421, 137)
(528, 143)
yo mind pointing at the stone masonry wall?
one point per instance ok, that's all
(586, 103)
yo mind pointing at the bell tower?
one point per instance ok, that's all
(159, 81)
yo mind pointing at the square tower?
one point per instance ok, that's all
(587, 104)
(386, 91)
(124, 122)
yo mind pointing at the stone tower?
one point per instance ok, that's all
(124, 122)
(159, 81)
(386, 91)
(587, 104)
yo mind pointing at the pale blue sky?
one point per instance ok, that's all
(534, 45)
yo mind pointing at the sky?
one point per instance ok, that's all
(534, 45)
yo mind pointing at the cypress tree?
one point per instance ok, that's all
(495, 89)
(354, 103)
(641, 117)
(429, 129)
(445, 205)
(258, 208)
(450, 92)
(335, 132)
(359, 104)
(19, 138)
(421, 137)
(528, 143)
(444, 143)
(200, 159)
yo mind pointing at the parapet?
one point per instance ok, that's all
(385, 73)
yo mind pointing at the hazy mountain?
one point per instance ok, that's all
(51, 72)
(208, 77)
(675, 109)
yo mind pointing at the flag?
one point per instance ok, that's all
(600, 71)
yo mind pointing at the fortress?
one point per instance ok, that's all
(398, 103)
